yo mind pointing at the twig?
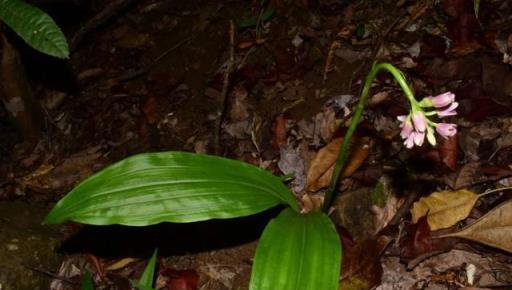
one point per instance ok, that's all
(330, 57)
(50, 274)
(101, 18)
(404, 209)
(225, 86)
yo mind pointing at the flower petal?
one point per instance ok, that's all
(420, 121)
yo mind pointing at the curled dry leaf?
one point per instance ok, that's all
(493, 229)
(448, 151)
(322, 167)
(466, 176)
(444, 208)
(279, 131)
(311, 203)
(416, 241)
(361, 264)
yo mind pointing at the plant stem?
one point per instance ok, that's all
(342, 156)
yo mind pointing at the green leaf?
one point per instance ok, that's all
(247, 22)
(182, 187)
(35, 27)
(149, 272)
(146, 280)
(476, 7)
(252, 21)
(87, 282)
(297, 252)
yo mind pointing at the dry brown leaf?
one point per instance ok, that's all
(448, 151)
(322, 167)
(465, 177)
(121, 264)
(279, 130)
(444, 208)
(493, 229)
(311, 203)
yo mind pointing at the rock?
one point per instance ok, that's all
(25, 243)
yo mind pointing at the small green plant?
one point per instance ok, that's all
(265, 13)
(148, 276)
(296, 250)
(145, 282)
(35, 27)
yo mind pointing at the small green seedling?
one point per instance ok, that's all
(87, 283)
(148, 276)
(145, 282)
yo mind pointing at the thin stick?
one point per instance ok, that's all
(225, 87)
(494, 191)
(50, 274)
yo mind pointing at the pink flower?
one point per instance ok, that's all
(446, 130)
(418, 138)
(450, 111)
(406, 129)
(438, 101)
(420, 121)
(409, 141)
(430, 136)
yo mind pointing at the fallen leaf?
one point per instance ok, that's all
(181, 279)
(322, 167)
(330, 56)
(417, 240)
(448, 151)
(396, 273)
(361, 264)
(465, 177)
(444, 208)
(352, 210)
(493, 229)
(279, 130)
(121, 264)
(290, 162)
(311, 203)
(238, 106)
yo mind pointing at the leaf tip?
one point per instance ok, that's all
(54, 217)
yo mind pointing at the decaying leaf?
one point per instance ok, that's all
(444, 208)
(361, 264)
(448, 151)
(279, 131)
(493, 229)
(321, 168)
(417, 239)
(465, 177)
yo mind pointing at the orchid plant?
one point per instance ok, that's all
(297, 250)
(415, 126)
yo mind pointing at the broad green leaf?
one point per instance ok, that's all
(35, 27)
(87, 282)
(182, 187)
(297, 252)
(146, 280)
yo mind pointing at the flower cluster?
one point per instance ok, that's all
(417, 125)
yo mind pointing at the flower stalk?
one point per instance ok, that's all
(415, 126)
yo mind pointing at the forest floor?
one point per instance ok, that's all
(151, 79)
